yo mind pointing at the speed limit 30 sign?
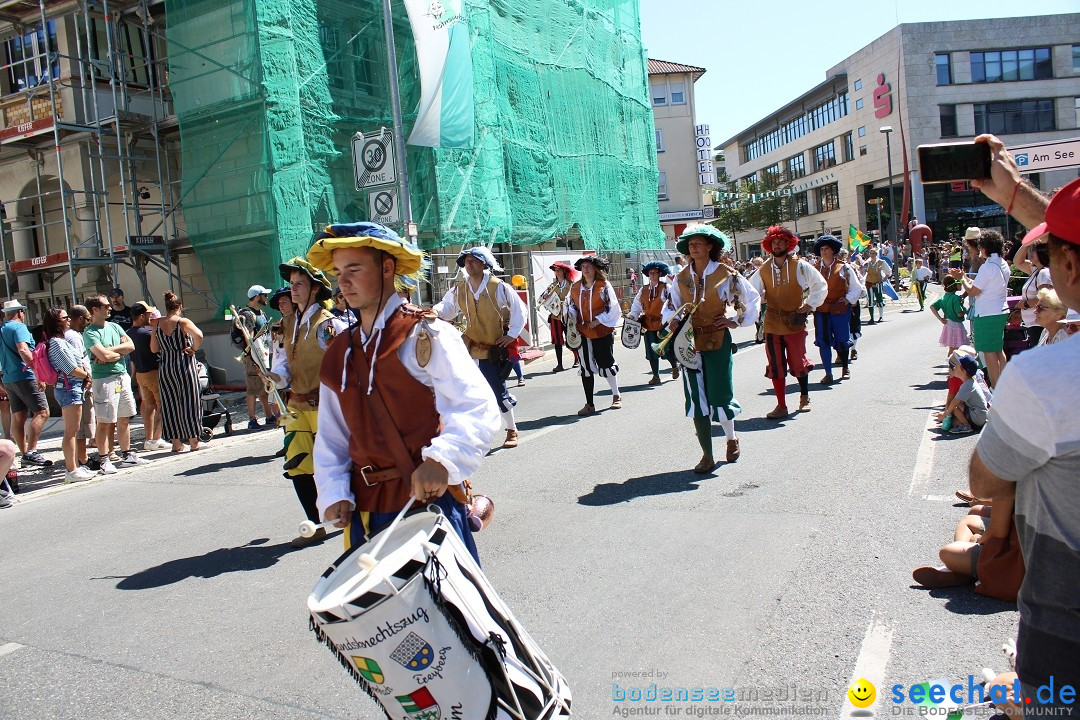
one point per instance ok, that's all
(374, 162)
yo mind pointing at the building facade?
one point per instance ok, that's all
(825, 151)
(683, 153)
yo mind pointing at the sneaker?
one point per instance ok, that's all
(35, 458)
(253, 424)
(93, 463)
(5, 499)
(272, 423)
(958, 429)
(130, 459)
(79, 474)
(155, 445)
(106, 467)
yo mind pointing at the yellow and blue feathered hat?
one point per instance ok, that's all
(318, 278)
(412, 262)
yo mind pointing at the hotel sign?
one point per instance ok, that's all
(703, 147)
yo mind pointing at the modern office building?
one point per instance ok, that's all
(925, 83)
(681, 146)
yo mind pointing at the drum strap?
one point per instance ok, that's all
(402, 459)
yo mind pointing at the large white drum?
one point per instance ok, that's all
(423, 632)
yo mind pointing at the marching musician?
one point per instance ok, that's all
(405, 410)
(564, 277)
(648, 309)
(877, 272)
(711, 288)
(306, 331)
(596, 310)
(254, 319)
(832, 320)
(494, 317)
(791, 288)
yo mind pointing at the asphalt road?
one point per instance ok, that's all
(171, 591)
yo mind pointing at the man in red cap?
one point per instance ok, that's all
(1030, 449)
(791, 289)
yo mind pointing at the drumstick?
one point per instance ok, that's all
(368, 560)
(308, 528)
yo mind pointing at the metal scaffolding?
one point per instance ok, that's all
(87, 85)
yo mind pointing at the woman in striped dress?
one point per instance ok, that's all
(177, 339)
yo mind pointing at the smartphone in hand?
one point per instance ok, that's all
(953, 162)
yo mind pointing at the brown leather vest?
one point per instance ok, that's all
(410, 402)
(652, 307)
(706, 335)
(593, 304)
(838, 288)
(783, 297)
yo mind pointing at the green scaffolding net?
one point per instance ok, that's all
(269, 93)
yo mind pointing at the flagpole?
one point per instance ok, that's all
(404, 199)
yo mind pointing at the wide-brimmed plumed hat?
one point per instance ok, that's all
(663, 267)
(411, 261)
(827, 241)
(598, 262)
(779, 231)
(318, 278)
(571, 273)
(482, 254)
(706, 231)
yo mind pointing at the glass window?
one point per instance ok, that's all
(1019, 116)
(944, 69)
(858, 84)
(1076, 58)
(1077, 101)
(828, 198)
(862, 150)
(28, 65)
(796, 166)
(824, 156)
(947, 114)
(801, 204)
(862, 131)
(659, 94)
(849, 147)
(678, 93)
(661, 187)
(659, 141)
(859, 104)
(1011, 65)
(796, 127)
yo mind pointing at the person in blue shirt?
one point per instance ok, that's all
(24, 393)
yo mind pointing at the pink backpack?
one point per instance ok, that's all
(42, 366)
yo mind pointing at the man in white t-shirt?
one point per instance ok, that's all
(1030, 450)
(990, 311)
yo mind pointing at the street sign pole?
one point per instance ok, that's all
(404, 201)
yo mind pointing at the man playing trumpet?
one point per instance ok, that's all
(648, 309)
(711, 288)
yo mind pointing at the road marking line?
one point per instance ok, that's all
(941, 498)
(924, 460)
(871, 663)
(9, 648)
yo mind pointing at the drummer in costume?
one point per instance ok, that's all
(877, 272)
(596, 310)
(832, 319)
(405, 411)
(306, 332)
(710, 392)
(494, 316)
(564, 277)
(648, 309)
(791, 288)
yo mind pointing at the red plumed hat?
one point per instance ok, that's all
(779, 231)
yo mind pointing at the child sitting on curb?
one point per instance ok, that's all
(968, 408)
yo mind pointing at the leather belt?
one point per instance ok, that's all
(373, 476)
(780, 313)
(470, 343)
(309, 399)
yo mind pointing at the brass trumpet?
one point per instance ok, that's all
(660, 348)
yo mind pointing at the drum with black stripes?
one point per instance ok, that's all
(423, 632)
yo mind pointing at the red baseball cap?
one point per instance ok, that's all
(1062, 216)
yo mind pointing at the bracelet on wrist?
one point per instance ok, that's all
(1008, 210)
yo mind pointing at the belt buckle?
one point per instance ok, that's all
(363, 474)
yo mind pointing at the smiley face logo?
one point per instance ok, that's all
(862, 693)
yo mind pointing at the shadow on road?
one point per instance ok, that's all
(255, 555)
(226, 465)
(659, 484)
(932, 385)
(964, 600)
(540, 423)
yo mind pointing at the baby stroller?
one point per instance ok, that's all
(212, 407)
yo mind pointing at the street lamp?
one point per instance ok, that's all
(887, 130)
